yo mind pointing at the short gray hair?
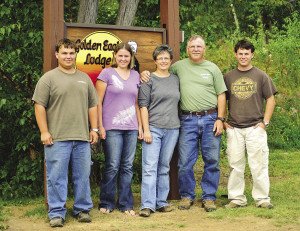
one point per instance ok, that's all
(194, 37)
(162, 48)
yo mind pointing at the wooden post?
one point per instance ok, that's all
(169, 19)
(53, 31)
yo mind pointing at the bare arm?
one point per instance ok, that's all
(41, 119)
(101, 88)
(93, 123)
(218, 126)
(145, 76)
(145, 122)
(270, 105)
(138, 114)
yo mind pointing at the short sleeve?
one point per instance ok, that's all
(268, 88)
(93, 96)
(104, 75)
(42, 91)
(145, 94)
(219, 82)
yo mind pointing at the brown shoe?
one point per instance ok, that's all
(265, 205)
(185, 203)
(209, 205)
(232, 205)
(145, 212)
(166, 209)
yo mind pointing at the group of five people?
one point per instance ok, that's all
(70, 114)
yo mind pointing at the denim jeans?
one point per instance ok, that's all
(197, 131)
(119, 149)
(156, 158)
(57, 157)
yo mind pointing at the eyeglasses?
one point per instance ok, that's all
(163, 58)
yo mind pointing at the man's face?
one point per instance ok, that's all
(66, 57)
(196, 50)
(244, 57)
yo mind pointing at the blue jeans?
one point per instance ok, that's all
(156, 158)
(196, 131)
(119, 149)
(57, 157)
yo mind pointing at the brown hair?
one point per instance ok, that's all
(67, 43)
(127, 47)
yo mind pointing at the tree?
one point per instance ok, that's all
(127, 11)
(88, 11)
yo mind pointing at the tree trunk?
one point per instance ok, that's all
(88, 11)
(127, 10)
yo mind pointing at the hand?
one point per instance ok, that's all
(102, 133)
(147, 137)
(141, 135)
(261, 124)
(145, 76)
(227, 125)
(93, 137)
(218, 127)
(46, 138)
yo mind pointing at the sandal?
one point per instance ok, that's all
(105, 210)
(129, 212)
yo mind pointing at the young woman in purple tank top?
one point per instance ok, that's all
(119, 126)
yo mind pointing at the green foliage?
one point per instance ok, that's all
(269, 24)
(20, 67)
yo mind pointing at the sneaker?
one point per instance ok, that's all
(265, 205)
(185, 203)
(56, 222)
(209, 205)
(84, 217)
(145, 212)
(232, 205)
(166, 209)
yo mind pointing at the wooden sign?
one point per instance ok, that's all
(93, 41)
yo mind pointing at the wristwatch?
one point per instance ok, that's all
(221, 118)
(266, 123)
(95, 130)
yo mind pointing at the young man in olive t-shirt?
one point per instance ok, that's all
(248, 89)
(65, 105)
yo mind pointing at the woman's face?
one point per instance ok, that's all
(163, 61)
(123, 58)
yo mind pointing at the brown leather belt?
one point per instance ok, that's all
(200, 113)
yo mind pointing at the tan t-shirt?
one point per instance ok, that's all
(67, 98)
(247, 91)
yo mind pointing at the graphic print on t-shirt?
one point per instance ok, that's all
(124, 117)
(243, 88)
(117, 83)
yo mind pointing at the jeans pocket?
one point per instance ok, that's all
(184, 117)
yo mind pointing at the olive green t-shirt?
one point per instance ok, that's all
(200, 84)
(67, 99)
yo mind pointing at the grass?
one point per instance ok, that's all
(285, 194)
(3, 216)
(284, 191)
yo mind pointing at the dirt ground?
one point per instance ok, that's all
(194, 219)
